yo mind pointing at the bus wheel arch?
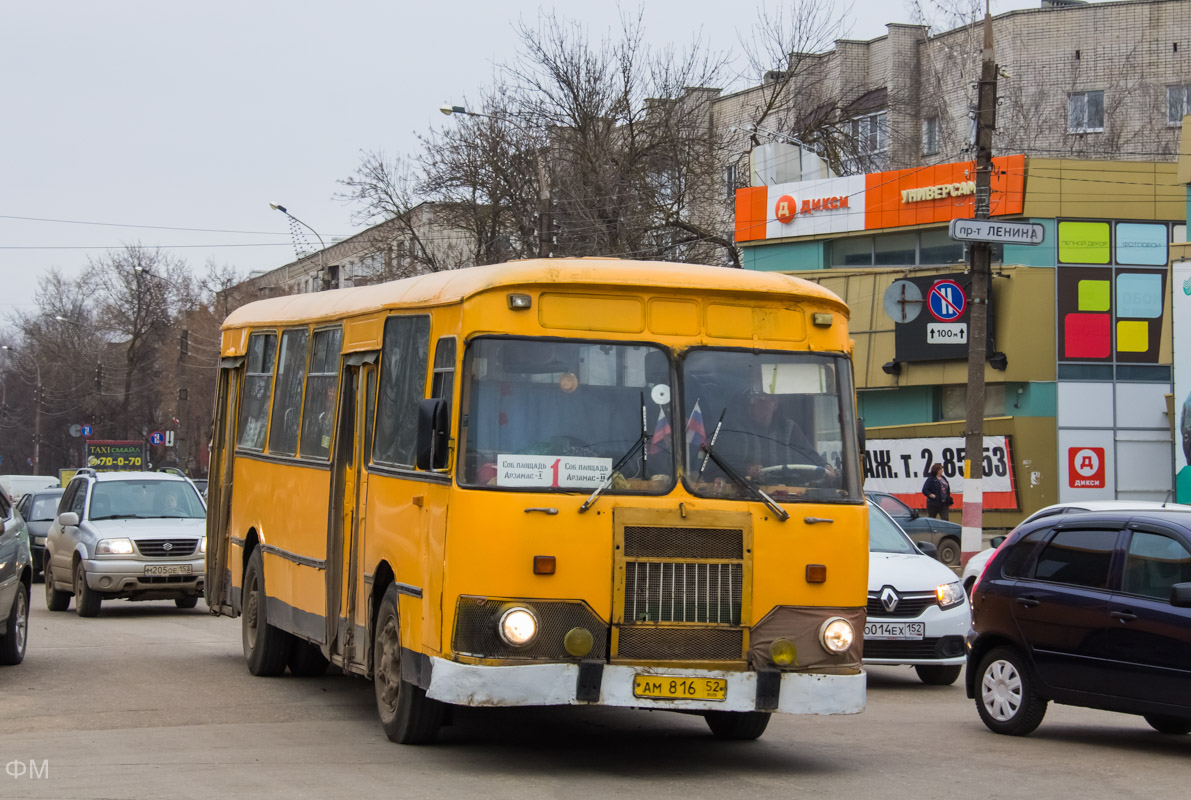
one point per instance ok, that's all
(382, 576)
(407, 715)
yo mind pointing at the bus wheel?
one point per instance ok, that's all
(266, 647)
(406, 713)
(737, 725)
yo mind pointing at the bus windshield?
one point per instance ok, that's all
(784, 425)
(551, 415)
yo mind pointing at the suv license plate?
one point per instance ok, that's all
(665, 687)
(169, 569)
(905, 631)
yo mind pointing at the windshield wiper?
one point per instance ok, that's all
(637, 445)
(730, 471)
(119, 516)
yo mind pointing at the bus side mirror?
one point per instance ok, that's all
(434, 422)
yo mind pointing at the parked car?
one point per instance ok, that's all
(1089, 609)
(943, 534)
(917, 612)
(16, 578)
(38, 510)
(133, 535)
(976, 563)
(201, 485)
(18, 485)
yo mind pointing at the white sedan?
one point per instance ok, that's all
(917, 612)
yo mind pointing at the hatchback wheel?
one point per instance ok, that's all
(1005, 694)
(949, 552)
(1172, 725)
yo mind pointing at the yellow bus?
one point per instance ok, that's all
(547, 482)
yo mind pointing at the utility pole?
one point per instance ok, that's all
(972, 535)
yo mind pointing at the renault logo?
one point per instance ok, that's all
(889, 599)
(170, 546)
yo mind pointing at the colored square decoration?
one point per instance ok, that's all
(1133, 336)
(1087, 336)
(1084, 243)
(1139, 294)
(1094, 295)
(1142, 244)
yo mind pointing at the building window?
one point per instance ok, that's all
(730, 181)
(871, 134)
(1176, 104)
(954, 403)
(930, 136)
(1085, 112)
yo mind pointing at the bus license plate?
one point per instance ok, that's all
(168, 569)
(902, 631)
(664, 687)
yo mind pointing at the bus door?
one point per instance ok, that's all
(219, 485)
(346, 628)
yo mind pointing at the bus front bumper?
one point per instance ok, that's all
(558, 685)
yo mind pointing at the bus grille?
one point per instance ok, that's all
(680, 644)
(683, 592)
(678, 581)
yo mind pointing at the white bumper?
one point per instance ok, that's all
(555, 685)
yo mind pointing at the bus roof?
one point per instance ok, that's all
(452, 286)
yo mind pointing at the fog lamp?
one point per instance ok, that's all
(578, 642)
(783, 652)
(836, 635)
(517, 627)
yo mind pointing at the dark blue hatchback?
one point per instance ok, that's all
(1090, 609)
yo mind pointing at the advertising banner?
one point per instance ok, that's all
(1180, 279)
(900, 466)
(110, 456)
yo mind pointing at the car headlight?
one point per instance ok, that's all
(203, 545)
(949, 594)
(113, 547)
(517, 627)
(836, 635)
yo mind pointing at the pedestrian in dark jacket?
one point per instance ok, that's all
(937, 492)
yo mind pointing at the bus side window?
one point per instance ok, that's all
(318, 407)
(258, 384)
(287, 398)
(444, 368)
(404, 358)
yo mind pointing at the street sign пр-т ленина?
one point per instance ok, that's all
(991, 230)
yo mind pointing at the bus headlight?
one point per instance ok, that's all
(517, 627)
(836, 635)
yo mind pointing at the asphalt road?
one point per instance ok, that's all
(148, 701)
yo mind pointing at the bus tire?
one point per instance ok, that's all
(266, 647)
(306, 660)
(737, 725)
(406, 713)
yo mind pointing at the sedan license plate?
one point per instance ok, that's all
(169, 569)
(901, 631)
(665, 687)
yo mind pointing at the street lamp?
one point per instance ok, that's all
(322, 245)
(36, 410)
(543, 180)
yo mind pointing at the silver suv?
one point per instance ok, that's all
(134, 535)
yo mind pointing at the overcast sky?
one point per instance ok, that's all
(198, 115)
